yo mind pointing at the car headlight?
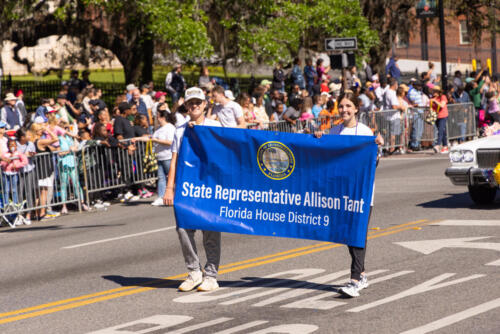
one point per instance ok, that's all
(456, 156)
(468, 156)
(462, 156)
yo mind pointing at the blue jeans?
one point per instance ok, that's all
(417, 128)
(163, 168)
(463, 128)
(441, 127)
(10, 183)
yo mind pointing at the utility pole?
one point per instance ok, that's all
(444, 75)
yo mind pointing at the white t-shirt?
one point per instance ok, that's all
(390, 99)
(148, 101)
(359, 130)
(166, 132)
(179, 133)
(228, 114)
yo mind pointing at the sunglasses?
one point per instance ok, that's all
(193, 103)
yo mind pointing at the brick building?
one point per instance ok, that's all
(459, 47)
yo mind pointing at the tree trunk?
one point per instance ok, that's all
(147, 63)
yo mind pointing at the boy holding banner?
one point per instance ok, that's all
(348, 110)
(195, 104)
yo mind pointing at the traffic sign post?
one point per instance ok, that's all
(341, 44)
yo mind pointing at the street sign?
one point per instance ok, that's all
(341, 44)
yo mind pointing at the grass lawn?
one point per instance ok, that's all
(118, 76)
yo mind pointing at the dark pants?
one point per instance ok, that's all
(441, 126)
(358, 257)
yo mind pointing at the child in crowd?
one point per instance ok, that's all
(27, 177)
(12, 162)
(493, 108)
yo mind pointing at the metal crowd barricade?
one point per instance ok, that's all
(391, 124)
(54, 180)
(107, 168)
(420, 133)
(461, 122)
(279, 126)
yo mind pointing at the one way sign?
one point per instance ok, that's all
(341, 44)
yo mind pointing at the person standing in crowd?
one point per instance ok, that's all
(175, 84)
(162, 141)
(349, 109)
(419, 101)
(310, 75)
(392, 69)
(391, 102)
(439, 103)
(229, 113)
(10, 114)
(204, 78)
(12, 163)
(279, 78)
(27, 176)
(20, 104)
(139, 103)
(74, 82)
(148, 101)
(67, 168)
(457, 80)
(43, 138)
(460, 96)
(297, 76)
(42, 109)
(278, 112)
(321, 71)
(85, 82)
(293, 112)
(205, 280)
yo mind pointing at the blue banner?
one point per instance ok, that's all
(276, 184)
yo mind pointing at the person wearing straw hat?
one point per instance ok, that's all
(10, 114)
(439, 103)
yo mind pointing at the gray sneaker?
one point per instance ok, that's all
(363, 283)
(351, 289)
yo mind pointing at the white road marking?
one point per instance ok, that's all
(494, 263)
(243, 327)
(289, 329)
(119, 238)
(454, 318)
(200, 326)
(323, 301)
(416, 158)
(294, 274)
(430, 246)
(421, 288)
(153, 323)
(468, 223)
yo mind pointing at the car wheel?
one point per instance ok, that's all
(482, 195)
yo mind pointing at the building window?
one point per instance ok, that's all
(464, 33)
(401, 42)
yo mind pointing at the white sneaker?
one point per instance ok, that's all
(158, 202)
(192, 281)
(351, 289)
(208, 284)
(27, 221)
(128, 196)
(18, 222)
(363, 283)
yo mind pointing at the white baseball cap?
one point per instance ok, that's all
(194, 93)
(229, 94)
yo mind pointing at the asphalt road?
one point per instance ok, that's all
(117, 271)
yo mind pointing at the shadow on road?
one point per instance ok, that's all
(246, 282)
(453, 201)
(52, 227)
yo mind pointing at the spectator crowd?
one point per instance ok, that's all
(42, 152)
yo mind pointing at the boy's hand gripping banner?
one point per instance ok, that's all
(275, 184)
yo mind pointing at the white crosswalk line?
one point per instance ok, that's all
(200, 326)
(451, 222)
(243, 327)
(454, 318)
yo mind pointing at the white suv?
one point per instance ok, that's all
(472, 165)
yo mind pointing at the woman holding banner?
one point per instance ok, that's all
(349, 109)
